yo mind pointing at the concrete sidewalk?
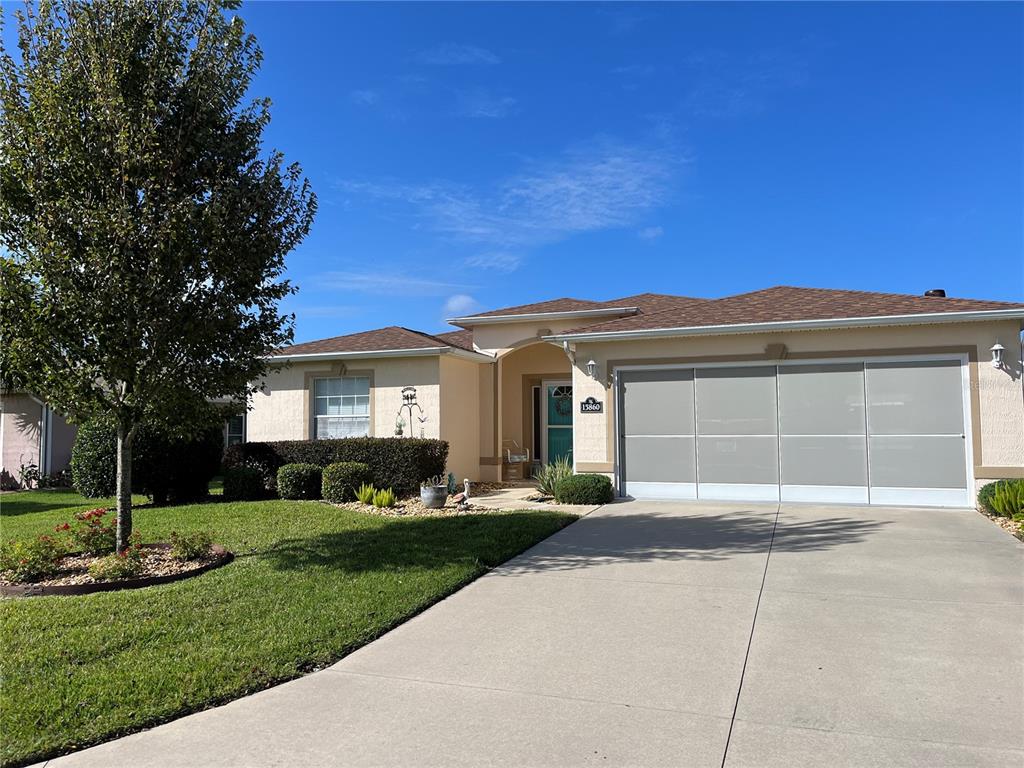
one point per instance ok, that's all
(670, 634)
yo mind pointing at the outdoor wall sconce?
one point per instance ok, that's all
(591, 369)
(997, 355)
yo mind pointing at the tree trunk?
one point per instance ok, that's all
(124, 485)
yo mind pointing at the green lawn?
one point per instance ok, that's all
(310, 583)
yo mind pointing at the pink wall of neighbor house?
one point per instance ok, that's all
(30, 433)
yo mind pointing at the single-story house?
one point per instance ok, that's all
(791, 394)
(31, 434)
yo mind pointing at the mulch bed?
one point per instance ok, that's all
(413, 507)
(158, 568)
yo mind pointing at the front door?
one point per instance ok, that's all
(557, 421)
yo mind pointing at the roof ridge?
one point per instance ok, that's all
(425, 335)
(861, 292)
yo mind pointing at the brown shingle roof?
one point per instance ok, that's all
(382, 339)
(554, 305)
(461, 339)
(788, 303)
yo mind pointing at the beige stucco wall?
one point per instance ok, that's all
(460, 416)
(19, 435)
(62, 440)
(284, 411)
(489, 466)
(498, 338)
(997, 397)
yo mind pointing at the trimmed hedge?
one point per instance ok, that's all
(401, 463)
(584, 489)
(342, 478)
(243, 484)
(94, 460)
(299, 481)
(163, 468)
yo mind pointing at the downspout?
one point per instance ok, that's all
(44, 439)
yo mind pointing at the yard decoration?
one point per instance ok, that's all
(143, 227)
(434, 492)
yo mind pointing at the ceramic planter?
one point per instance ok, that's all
(433, 496)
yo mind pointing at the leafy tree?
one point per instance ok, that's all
(142, 228)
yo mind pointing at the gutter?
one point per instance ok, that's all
(542, 316)
(794, 325)
(464, 354)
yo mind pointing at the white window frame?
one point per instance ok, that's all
(228, 434)
(354, 417)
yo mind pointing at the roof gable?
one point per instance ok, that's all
(391, 338)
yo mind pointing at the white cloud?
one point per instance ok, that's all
(480, 103)
(365, 97)
(384, 283)
(498, 261)
(460, 305)
(650, 233)
(447, 54)
(602, 185)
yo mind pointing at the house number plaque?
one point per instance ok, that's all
(590, 405)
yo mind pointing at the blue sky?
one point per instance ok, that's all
(476, 156)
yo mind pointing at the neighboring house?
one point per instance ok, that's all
(792, 394)
(31, 433)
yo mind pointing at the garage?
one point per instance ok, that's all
(873, 431)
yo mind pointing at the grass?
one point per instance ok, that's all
(310, 584)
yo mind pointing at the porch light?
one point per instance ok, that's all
(591, 368)
(997, 355)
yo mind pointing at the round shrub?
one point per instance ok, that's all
(341, 479)
(299, 481)
(94, 459)
(243, 484)
(584, 489)
(164, 468)
(174, 470)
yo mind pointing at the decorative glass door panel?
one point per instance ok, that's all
(558, 422)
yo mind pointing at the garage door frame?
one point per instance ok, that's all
(907, 497)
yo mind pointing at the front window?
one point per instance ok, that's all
(341, 407)
(235, 432)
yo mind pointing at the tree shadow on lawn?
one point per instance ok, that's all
(431, 542)
(420, 542)
(46, 499)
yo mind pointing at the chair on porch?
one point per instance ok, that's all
(516, 462)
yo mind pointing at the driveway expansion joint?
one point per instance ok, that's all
(750, 639)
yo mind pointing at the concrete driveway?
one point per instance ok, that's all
(677, 635)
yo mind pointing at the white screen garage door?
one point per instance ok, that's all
(874, 432)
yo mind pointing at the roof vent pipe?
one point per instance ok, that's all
(936, 293)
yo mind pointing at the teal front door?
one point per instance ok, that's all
(558, 422)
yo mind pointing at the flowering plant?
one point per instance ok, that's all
(31, 560)
(94, 531)
(119, 565)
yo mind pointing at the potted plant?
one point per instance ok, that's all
(434, 492)
(399, 426)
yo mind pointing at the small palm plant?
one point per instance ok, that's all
(365, 493)
(384, 498)
(549, 475)
(1008, 499)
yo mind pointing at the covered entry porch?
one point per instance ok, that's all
(533, 411)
